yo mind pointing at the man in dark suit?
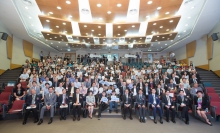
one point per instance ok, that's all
(141, 84)
(77, 102)
(165, 79)
(80, 79)
(32, 102)
(175, 79)
(169, 106)
(154, 103)
(141, 102)
(194, 80)
(55, 83)
(63, 101)
(151, 84)
(127, 104)
(134, 93)
(183, 102)
(122, 89)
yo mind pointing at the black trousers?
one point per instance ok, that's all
(102, 107)
(173, 113)
(76, 108)
(34, 111)
(126, 109)
(184, 112)
(63, 112)
(41, 58)
(142, 112)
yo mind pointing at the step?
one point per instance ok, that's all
(110, 115)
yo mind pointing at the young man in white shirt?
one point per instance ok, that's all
(24, 76)
(58, 90)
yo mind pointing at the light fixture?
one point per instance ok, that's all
(184, 31)
(154, 23)
(161, 26)
(133, 26)
(165, 44)
(119, 34)
(50, 12)
(186, 25)
(59, 7)
(179, 36)
(149, 2)
(100, 18)
(189, 17)
(29, 17)
(51, 43)
(85, 25)
(50, 38)
(170, 34)
(99, 5)
(171, 21)
(32, 25)
(156, 40)
(70, 16)
(147, 16)
(158, 36)
(87, 38)
(92, 30)
(163, 37)
(99, 34)
(55, 37)
(161, 47)
(57, 46)
(48, 34)
(167, 13)
(46, 39)
(57, 26)
(26, 7)
(167, 29)
(66, 44)
(68, 2)
(109, 12)
(58, 42)
(99, 26)
(64, 23)
(125, 30)
(60, 49)
(192, 7)
(171, 40)
(119, 26)
(140, 38)
(158, 8)
(118, 5)
(48, 20)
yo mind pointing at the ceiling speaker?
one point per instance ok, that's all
(214, 37)
(4, 36)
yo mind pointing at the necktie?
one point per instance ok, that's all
(64, 99)
(33, 99)
(77, 99)
(126, 98)
(49, 95)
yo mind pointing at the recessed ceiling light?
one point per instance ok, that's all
(58, 42)
(119, 26)
(184, 31)
(179, 36)
(158, 8)
(156, 40)
(99, 5)
(68, 2)
(118, 5)
(64, 23)
(66, 44)
(87, 38)
(51, 43)
(57, 26)
(59, 7)
(100, 18)
(154, 23)
(60, 49)
(157, 49)
(171, 21)
(189, 17)
(50, 38)
(170, 34)
(26, 7)
(57, 46)
(147, 16)
(125, 30)
(51, 29)
(99, 34)
(109, 12)
(119, 34)
(192, 7)
(133, 26)
(161, 47)
(167, 29)
(167, 13)
(99, 26)
(85, 25)
(92, 30)
(171, 40)
(29, 17)
(149, 2)
(140, 38)
(48, 34)
(70, 16)
(186, 25)
(103, 39)
(158, 36)
(50, 12)
(165, 44)
(48, 20)
(55, 37)
(168, 38)
(161, 26)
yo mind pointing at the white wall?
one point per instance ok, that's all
(214, 62)
(5, 62)
(200, 57)
(180, 53)
(18, 56)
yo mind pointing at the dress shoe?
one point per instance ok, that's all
(124, 117)
(78, 118)
(187, 122)
(168, 120)
(143, 120)
(99, 117)
(116, 111)
(173, 121)
(131, 118)
(110, 111)
(155, 121)
(74, 118)
(140, 120)
(24, 122)
(35, 121)
(64, 117)
(40, 122)
(161, 121)
(51, 120)
(61, 117)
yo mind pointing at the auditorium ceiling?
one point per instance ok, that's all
(148, 25)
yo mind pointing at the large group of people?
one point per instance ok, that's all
(55, 83)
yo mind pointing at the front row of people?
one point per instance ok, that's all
(33, 101)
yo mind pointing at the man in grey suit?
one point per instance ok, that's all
(194, 89)
(141, 102)
(35, 87)
(49, 101)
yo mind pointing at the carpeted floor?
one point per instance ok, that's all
(107, 125)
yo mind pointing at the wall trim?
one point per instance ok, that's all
(14, 66)
(2, 71)
(205, 67)
(217, 72)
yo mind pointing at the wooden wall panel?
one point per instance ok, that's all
(9, 47)
(209, 48)
(191, 49)
(14, 66)
(205, 67)
(217, 72)
(2, 71)
(184, 61)
(28, 49)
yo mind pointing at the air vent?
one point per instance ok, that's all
(70, 38)
(121, 39)
(148, 38)
(133, 11)
(96, 39)
(85, 11)
(27, 2)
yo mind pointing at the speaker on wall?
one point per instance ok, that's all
(214, 36)
(4, 36)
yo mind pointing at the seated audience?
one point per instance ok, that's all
(63, 102)
(90, 102)
(103, 104)
(18, 92)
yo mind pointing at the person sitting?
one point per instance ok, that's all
(32, 102)
(49, 103)
(77, 102)
(127, 104)
(24, 76)
(134, 92)
(90, 102)
(113, 103)
(184, 102)
(103, 104)
(171, 86)
(63, 101)
(154, 103)
(58, 90)
(202, 105)
(141, 102)
(34, 87)
(169, 106)
(18, 92)
(194, 89)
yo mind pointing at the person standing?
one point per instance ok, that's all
(41, 56)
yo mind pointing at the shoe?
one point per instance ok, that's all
(187, 122)
(64, 118)
(124, 117)
(51, 120)
(40, 122)
(61, 117)
(74, 118)
(35, 121)
(173, 121)
(208, 123)
(131, 118)
(78, 118)
(143, 120)
(161, 121)
(99, 117)
(116, 111)
(24, 122)
(155, 121)
(140, 120)
(168, 120)
(110, 111)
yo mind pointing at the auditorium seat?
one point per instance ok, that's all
(4, 97)
(215, 109)
(17, 107)
(207, 84)
(24, 85)
(9, 89)
(210, 90)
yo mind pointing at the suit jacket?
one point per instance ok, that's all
(124, 99)
(156, 81)
(121, 90)
(55, 84)
(186, 91)
(166, 81)
(165, 101)
(50, 100)
(80, 98)
(192, 82)
(159, 91)
(37, 90)
(204, 102)
(132, 91)
(138, 85)
(28, 100)
(141, 101)
(185, 101)
(177, 80)
(81, 79)
(60, 99)
(151, 84)
(151, 99)
(144, 91)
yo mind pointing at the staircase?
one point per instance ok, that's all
(209, 76)
(10, 75)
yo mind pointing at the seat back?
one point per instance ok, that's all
(4, 96)
(210, 90)
(24, 85)
(8, 89)
(17, 106)
(214, 97)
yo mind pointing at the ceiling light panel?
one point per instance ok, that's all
(131, 29)
(93, 30)
(54, 37)
(164, 37)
